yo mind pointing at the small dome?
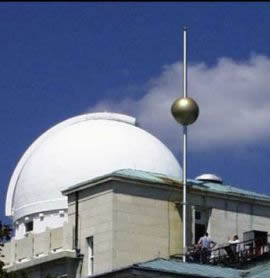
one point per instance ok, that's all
(79, 149)
(209, 178)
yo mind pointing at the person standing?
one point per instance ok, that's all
(235, 247)
(235, 242)
(206, 243)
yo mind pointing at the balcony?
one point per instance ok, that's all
(238, 255)
(39, 248)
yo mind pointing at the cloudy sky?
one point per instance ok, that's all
(59, 60)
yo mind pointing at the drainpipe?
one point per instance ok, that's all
(77, 223)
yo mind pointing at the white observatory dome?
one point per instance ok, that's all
(79, 149)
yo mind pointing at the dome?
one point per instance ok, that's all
(209, 178)
(80, 149)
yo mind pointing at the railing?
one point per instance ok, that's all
(234, 255)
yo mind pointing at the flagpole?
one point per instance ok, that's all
(185, 111)
(184, 143)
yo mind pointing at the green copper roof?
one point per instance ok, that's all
(162, 179)
(201, 185)
(227, 189)
(178, 267)
(260, 271)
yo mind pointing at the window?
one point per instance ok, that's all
(29, 226)
(90, 243)
(41, 216)
(197, 215)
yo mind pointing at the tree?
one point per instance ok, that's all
(5, 235)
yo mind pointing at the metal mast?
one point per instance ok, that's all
(185, 111)
(184, 144)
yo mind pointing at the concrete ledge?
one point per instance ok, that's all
(70, 254)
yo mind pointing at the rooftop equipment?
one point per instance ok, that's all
(259, 236)
(209, 178)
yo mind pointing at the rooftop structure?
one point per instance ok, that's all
(96, 194)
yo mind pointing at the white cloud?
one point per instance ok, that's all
(234, 100)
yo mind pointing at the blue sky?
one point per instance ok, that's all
(59, 60)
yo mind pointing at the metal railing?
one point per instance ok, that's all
(234, 255)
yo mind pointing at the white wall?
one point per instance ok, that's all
(41, 221)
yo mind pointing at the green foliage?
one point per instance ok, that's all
(5, 235)
(3, 274)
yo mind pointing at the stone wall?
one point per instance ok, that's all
(231, 216)
(146, 224)
(95, 219)
(129, 222)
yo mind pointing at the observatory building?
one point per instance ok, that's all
(97, 194)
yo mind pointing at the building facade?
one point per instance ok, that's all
(96, 193)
